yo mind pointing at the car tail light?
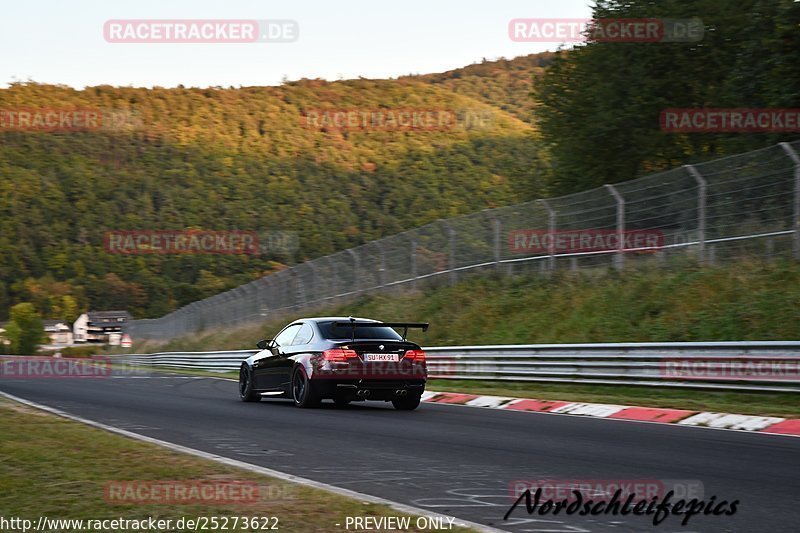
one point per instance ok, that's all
(417, 356)
(339, 355)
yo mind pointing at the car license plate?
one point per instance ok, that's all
(391, 357)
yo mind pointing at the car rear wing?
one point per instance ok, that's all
(405, 325)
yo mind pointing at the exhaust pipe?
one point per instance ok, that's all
(363, 393)
(401, 392)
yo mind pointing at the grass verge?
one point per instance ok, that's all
(58, 468)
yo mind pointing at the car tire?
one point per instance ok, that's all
(303, 392)
(407, 403)
(247, 392)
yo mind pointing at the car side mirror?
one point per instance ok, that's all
(263, 344)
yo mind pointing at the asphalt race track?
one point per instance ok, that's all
(454, 460)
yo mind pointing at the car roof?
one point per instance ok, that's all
(333, 318)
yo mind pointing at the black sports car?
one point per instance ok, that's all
(343, 359)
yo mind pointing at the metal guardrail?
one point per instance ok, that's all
(743, 366)
(224, 361)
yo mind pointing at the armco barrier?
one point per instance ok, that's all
(745, 366)
(212, 361)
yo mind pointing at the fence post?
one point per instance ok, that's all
(285, 291)
(299, 288)
(206, 309)
(264, 288)
(259, 285)
(356, 268)
(182, 327)
(497, 228)
(498, 238)
(551, 230)
(619, 257)
(796, 210)
(451, 251)
(280, 291)
(312, 294)
(224, 307)
(288, 287)
(249, 307)
(496, 232)
(414, 262)
(701, 210)
(382, 269)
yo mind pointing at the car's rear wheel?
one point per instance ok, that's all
(303, 389)
(246, 391)
(407, 403)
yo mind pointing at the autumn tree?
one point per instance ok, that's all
(25, 330)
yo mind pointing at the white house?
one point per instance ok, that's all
(58, 331)
(79, 328)
(102, 327)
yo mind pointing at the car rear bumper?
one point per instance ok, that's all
(365, 389)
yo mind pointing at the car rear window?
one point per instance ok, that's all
(330, 332)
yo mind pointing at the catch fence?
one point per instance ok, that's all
(743, 205)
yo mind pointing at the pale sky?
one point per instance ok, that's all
(61, 41)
